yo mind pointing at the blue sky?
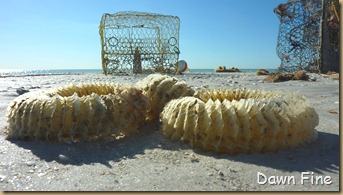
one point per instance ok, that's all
(64, 34)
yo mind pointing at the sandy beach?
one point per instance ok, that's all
(150, 162)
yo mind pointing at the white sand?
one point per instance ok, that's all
(150, 162)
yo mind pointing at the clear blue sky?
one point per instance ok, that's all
(63, 34)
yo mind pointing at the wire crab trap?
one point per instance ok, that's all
(139, 42)
(298, 43)
(302, 41)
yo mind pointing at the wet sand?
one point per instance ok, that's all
(150, 162)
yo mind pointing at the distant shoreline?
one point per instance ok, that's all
(47, 72)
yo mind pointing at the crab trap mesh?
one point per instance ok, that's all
(298, 44)
(139, 42)
(308, 35)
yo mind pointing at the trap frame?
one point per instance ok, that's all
(139, 42)
(308, 35)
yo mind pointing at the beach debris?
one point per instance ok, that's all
(34, 87)
(31, 171)
(330, 72)
(300, 75)
(181, 66)
(312, 78)
(281, 77)
(2, 178)
(21, 90)
(30, 163)
(331, 75)
(224, 69)
(262, 72)
(63, 158)
(232, 81)
(278, 77)
(333, 111)
(240, 121)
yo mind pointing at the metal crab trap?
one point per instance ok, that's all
(139, 42)
(302, 41)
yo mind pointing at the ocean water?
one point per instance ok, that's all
(18, 72)
(6, 72)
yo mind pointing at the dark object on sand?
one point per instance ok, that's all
(137, 62)
(330, 72)
(223, 69)
(331, 75)
(301, 75)
(279, 77)
(21, 91)
(262, 72)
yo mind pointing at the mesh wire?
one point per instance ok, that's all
(139, 42)
(298, 43)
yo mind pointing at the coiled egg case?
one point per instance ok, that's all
(241, 121)
(159, 90)
(76, 113)
(88, 88)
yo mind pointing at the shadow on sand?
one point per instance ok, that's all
(322, 155)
